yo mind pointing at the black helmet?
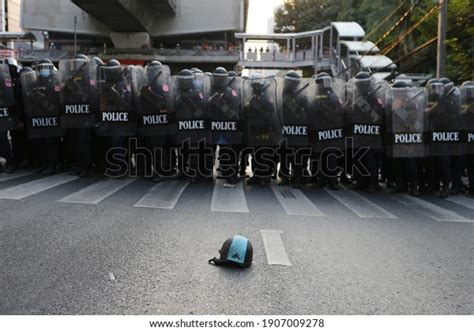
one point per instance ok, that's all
(436, 89)
(81, 57)
(98, 61)
(448, 84)
(399, 84)
(363, 81)
(237, 251)
(45, 67)
(468, 91)
(155, 63)
(185, 79)
(292, 80)
(323, 81)
(256, 82)
(220, 76)
(195, 70)
(113, 63)
(233, 74)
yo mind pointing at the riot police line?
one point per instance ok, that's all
(133, 120)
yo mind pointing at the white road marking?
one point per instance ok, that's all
(274, 247)
(462, 200)
(295, 203)
(111, 276)
(163, 195)
(228, 199)
(4, 177)
(34, 187)
(359, 205)
(431, 210)
(97, 192)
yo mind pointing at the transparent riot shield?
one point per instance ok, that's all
(225, 103)
(406, 124)
(467, 116)
(78, 91)
(445, 129)
(42, 107)
(365, 113)
(156, 111)
(191, 95)
(326, 119)
(8, 116)
(294, 98)
(264, 121)
(117, 111)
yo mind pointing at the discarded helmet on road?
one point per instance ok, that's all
(236, 251)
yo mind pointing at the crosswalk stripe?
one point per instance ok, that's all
(463, 201)
(34, 187)
(359, 205)
(97, 192)
(163, 195)
(295, 203)
(4, 177)
(228, 199)
(274, 247)
(431, 210)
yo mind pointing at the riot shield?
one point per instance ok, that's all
(7, 100)
(263, 117)
(444, 124)
(225, 105)
(467, 116)
(365, 113)
(326, 119)
(117, 112)
(42, 107)
(294, 102)
(191, 95)
(78, 90)
(406, 124)
(156, 111)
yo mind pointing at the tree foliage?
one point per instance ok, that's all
(306, 15)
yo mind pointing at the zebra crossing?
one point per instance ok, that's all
(234, 199)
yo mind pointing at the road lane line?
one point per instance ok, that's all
(295, 203)
(463, 201)
(97, 192)
(34, 187)
(228, 199)
(431, 210)
(359, 205)
(4, 177)
(163, 195)
(274, 247)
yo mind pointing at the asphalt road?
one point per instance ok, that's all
(90, 246)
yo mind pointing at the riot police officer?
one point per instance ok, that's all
(405, 130)
(157, 122)
(444, 138)
(467, 120)
(365, 120)
(117, 120)
(294, 152)
(263, 126)
(326, 131)
(41, 90)
(8, 116)
(78, 113)
(226, 125)
(192, 113)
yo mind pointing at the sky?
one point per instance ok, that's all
(260, 12)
